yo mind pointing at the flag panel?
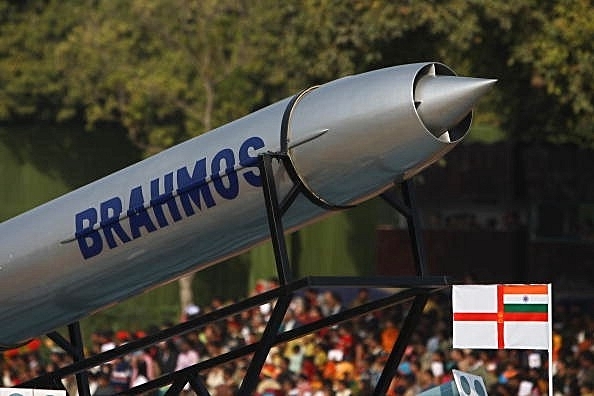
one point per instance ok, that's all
(474, 298)
(501, 316)
(526, 335)
(479, 335)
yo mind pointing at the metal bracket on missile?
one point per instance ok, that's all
(407, 208)
(300, 186)
(75, 348)
(275, 212)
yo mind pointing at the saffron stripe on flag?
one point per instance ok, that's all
(525, 289)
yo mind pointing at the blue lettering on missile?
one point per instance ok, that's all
(230, 191)
(194, 192)
(89, 240)
(137, 215)
(191, 187)
(110, 214)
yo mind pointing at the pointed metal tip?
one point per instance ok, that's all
(444, 101)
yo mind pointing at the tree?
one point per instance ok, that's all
(32, 88)
(560, 57)
(164, 71)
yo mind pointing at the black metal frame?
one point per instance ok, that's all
(415, 288)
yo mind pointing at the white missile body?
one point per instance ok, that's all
(200, 202)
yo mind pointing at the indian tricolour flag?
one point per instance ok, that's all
(502, 316)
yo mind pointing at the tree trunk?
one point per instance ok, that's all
(186, 294)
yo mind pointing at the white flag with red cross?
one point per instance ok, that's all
(516, 316)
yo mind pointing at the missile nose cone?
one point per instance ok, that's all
(443, 101)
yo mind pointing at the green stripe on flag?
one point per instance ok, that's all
(525, 308)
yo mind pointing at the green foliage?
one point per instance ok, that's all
(168, 70)
(25, 185)
(153, 308)
(562, 62)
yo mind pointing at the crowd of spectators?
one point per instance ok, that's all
(345, 359)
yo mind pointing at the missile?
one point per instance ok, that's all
(200, 202)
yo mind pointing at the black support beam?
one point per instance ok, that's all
(403, 289)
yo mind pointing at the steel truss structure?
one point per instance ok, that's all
(414, 289)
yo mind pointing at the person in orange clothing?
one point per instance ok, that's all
(389, 335)
(344, 370)
(329, 370)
